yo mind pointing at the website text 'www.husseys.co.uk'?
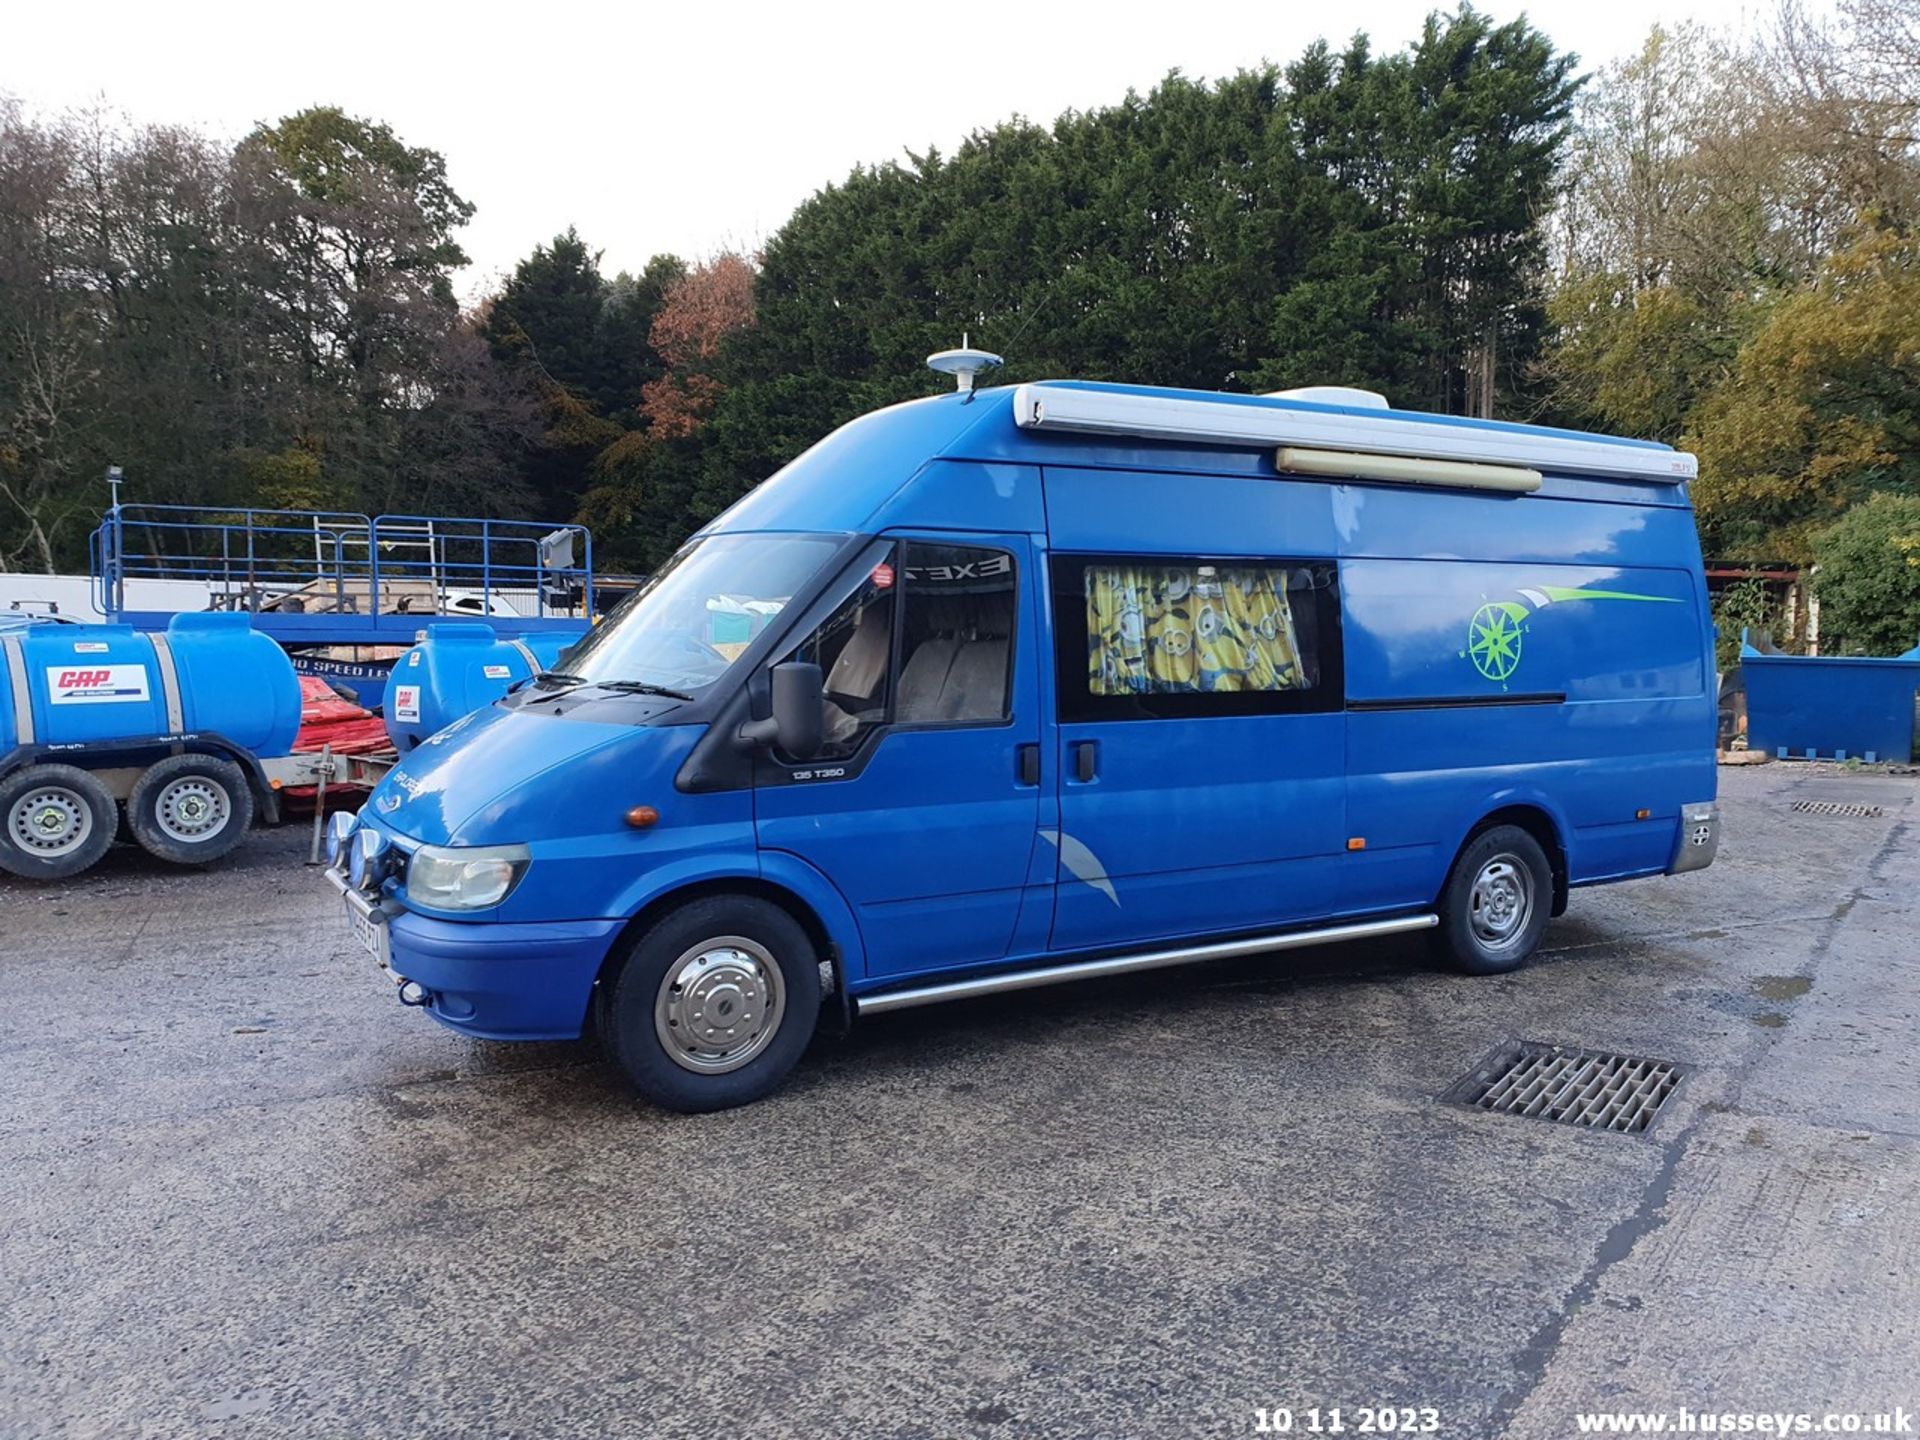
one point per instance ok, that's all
(1898, 1421)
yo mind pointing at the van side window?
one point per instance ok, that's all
(854, 649)
(956, 634)
(1149, 637)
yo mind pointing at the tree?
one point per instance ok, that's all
(1868, 579)
(47, 375)
(1821, 407)
(646, 493)
(697, 315)
(352, 249)
(581, 347)
(1634, 359)
(1357, 218)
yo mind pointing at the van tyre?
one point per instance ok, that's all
(190, 809)
(714, 1004)
(1495, 906)
(55, 821)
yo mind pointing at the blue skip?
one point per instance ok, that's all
(1827, 707)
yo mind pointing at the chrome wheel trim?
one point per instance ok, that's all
(50, 822)
(192, 809)
(1500, 903)
(720, 1005)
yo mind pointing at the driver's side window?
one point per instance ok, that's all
(854, 649)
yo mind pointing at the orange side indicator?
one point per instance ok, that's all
(1641, 814)
(1357, 842)
(642, 816)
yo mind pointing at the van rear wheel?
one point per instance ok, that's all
(55, 821)
(190, 809)
(714, 1004)
(1494, 908)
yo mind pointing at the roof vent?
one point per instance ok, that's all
(965, 363)
(1331, 395)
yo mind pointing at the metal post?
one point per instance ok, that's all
(253, 584)
(486, 567)
(587, 580)
(320, 803)
(117, 564)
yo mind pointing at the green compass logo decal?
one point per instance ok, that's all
(1498, 629)
(1493, 638)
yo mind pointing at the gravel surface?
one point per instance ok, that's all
(248, 1194)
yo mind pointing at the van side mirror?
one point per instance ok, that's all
(799, 721)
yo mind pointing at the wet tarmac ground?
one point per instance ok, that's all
(245, 1193)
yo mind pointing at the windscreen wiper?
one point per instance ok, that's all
(640, 687)
(545, 684)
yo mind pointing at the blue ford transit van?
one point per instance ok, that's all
(1014, 686)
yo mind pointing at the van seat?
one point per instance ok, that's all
(924, 680)
(976, 683)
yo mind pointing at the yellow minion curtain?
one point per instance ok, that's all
(1166, 631)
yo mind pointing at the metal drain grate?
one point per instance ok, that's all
(1588, 1088)
(1835, 807)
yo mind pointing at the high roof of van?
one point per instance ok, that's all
(852, 473)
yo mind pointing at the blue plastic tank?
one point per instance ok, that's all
(91, 684)
(457, 669)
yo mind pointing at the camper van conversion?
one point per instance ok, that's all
(1015, 686)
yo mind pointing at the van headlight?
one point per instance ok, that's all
(447, 877)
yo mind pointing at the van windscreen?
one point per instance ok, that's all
(686, 626)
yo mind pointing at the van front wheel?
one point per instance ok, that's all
(1496, 902)
(714, 1005)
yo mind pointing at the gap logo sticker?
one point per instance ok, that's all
(496, 672)
(406, 702)
(96, 684)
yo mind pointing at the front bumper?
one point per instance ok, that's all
(489, 979)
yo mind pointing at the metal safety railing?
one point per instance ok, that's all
(333, 562)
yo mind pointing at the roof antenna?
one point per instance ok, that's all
(963, 364)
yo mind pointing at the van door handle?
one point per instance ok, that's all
(1085, 754)
(1026, 764)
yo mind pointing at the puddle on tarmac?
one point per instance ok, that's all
(1770, 1020)
(1782, 987)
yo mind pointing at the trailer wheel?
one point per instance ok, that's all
(714, 1004)
(55, 821)
(190, 809)
(1496, 902)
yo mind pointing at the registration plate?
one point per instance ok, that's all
(370, 933)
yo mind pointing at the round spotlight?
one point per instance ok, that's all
(369, 859)
(340, 837)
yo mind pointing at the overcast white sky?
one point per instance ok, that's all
(689, 127)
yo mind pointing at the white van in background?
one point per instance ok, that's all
(72, 596)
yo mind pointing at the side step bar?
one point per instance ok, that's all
(1143, 960)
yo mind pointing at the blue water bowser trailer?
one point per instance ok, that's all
(188, 728)
(458, 668)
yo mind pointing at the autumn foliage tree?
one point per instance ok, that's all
(1740, 272)
(706, 306)
(1820, 409)
(647, 487)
